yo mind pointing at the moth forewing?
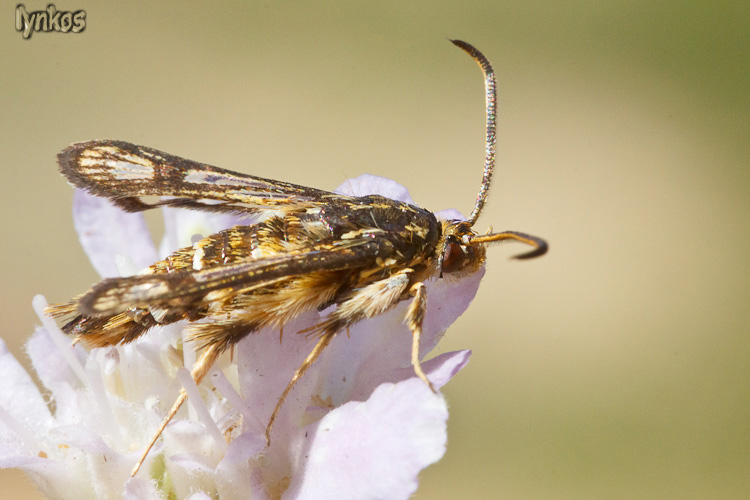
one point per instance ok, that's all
(318, 249)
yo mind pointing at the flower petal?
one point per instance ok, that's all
(20, 398)
(192, 457)
(373, 449)
(234, 475)
(439, 369)
(106, 231)
(449, 214)
(105, 469)
(265, 367)
(49, 363)
(199, 496)
(137, 488)
(367, 184)
(53, 478)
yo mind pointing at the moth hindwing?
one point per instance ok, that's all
(308, 249)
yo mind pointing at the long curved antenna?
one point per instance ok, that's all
(490, 93)
(540, 246)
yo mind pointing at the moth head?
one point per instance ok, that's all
(461, 248)
(464, 250)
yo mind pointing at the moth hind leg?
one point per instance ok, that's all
(322, 343)
(214, 338)
(199, 370)
(367, 302)
(378, 297)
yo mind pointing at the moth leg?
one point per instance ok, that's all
(414, 319)
(323, 342)
(367, 302)
(200, 369)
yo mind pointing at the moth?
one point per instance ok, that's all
(309, 250)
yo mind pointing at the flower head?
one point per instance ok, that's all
(359, 424)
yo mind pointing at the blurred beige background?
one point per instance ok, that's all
(615, 367)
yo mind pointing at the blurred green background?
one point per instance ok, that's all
(615, 367)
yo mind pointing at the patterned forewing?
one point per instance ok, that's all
(125, 173)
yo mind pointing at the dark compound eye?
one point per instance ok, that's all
(453, 258)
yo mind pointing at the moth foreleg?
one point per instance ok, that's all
(414, 319)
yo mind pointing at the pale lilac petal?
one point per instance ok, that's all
(107, 470)
(367, 184)
(20, 398)
(266, 366)
(199, 496)
(53, 478)
(439, 369)
(49, 363)
(82, 438)
(234, 475)
(191, 456)
(447, 299)
(137, 488)
(449, 214)
(106, 231)
(67, 400)
(185, 480)
(9, 458)
(191, 462)
(70, 472)
(444, 367)
(26, 462)
(243, 448)
(373, 449)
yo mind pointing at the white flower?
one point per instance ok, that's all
(358, 425)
